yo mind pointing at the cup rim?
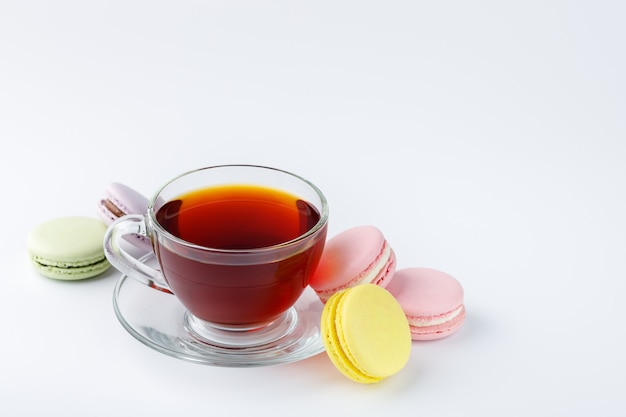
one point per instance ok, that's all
(323, 220)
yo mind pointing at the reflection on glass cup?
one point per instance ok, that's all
(235, 244)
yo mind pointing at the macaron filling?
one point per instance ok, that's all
(437, 331)
(113, 208)
(435, 320)
(70, 269)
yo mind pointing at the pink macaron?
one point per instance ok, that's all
(359, 255)
(432, 301)
(120, 200)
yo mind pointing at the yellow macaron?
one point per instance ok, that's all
(366, 333)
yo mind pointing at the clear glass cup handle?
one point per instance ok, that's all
(125, 262)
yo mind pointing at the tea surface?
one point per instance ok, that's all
(237, 217)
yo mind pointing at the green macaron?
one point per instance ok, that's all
(68, 248)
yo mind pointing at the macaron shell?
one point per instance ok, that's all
(333, 344)
(366, 333)
(68, 248)
(358, 255)
(388, 268)
(125, 198)
(431, 299)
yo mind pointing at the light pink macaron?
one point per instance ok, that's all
(359, 255)
(432, 301)
(120, 200)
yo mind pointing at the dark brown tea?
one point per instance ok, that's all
(241, 218)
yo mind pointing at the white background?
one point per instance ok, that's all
(486, 139)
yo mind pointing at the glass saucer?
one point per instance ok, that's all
(157, 319)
